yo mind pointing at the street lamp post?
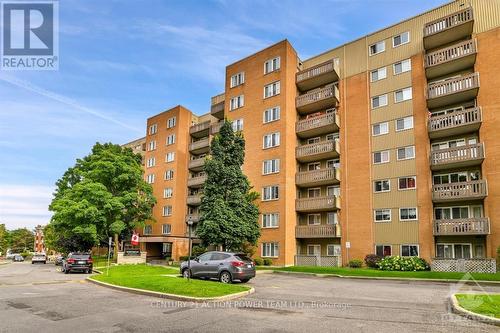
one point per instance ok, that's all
(189, 223)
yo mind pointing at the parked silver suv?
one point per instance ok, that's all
(224, 266)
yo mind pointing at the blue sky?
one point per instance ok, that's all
(123, 61)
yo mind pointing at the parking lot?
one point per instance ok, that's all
(37, 298)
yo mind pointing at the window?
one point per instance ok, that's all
(382, 215)
(166, 229)
(379, 101)
(270, 166)
(171, 122)
(332, 218)
(271, 140)
(313, 192)
(378, 74)
(152, 145)
(170, 139)
(383, 250)
(169, 174)
(170, 157)
(407, 214)
(333, 250)
(454, 250)
(270, 220)
(270, 250)
(313, 166)
(406, 153)
(272, 89)
(236, 102)
(151, 162)
(333, 136)
(450, 213)
(401, 39)
(168, 192)
(407, 183)
(270, 193)
(402, 95)
(454, 177)
(272, 65)
(150, 179)
(314, 219)
(167, 210)
(153, 129)
(314, 250)
(382, 186)
(331, 164)
(271, 114)
(404, 123)
(402, 66)
(148, 229)
(409, 250)
(380, 128)
(313, 140)
(381, 157)
(237, 79)
(377, 48)
(237, 125)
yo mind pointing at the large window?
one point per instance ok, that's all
(152, 145)
(407, 183)
(409, 250)
(333, 250)
(382, 215)
(170, 157)
(272, 89)
(270, 220)
(378, 74)
(271, 114)
(380, 157)
(404, 123)
(168, 192)
(236, 102)
(270, 250)
(401, 39)
(379, 101)
(148, 229)
(270, 166)
(166, 229)
(402, 95)
(271, 140)
(401, 66)
(454, 250)
(382, 185)
(377, 48)
(406, 153)
(271, 65)
(170, 139)
(151, 162)
(380, 128)
(383, 250)
(314, 219)
(408, 214)
(237, 79)
(270, 193)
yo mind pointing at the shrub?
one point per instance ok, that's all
(25, 254)
(185, 258)
(397, 263)
(198, 250)
(258, 261)
(371, 260)
(267, 262)
(355, 263)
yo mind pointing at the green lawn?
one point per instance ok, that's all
(152, 278)
(345, 271)
(488, 305)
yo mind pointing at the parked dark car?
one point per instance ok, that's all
(81, 262)
(224, 266)
(18, 257)
(59, 261)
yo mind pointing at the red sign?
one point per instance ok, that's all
(135, 239)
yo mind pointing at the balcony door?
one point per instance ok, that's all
(314, 250)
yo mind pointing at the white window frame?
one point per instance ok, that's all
(151, 162)
(274, 65)
(237, 79)
(165, 211)
(273, 248)
(313, 246)
(274, 166)
(380, 105)
(163, 229)
(405, 158)
(272, 89)
(274, 137)
(169, 174)
(171, 122)
(382, 210)
(453, 248)
(380, 126)
(168, 192)
(316, 220)
(271, 192)
(404, 119)
(170, 139)
(167, 157)
(382, 42)
(336, 250)
(409, 94)
(237, 125)
(383, 245)
(378, 71)
(401, 250)
(382, 154)
(236, 102)
(153, 129)
(404, 220)
(405, 66)
(152, 145)
(408, 188)
(383, 181)
(273, 220)
(401, 36)
(150, 178)
(272, 111)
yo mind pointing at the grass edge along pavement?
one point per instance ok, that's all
(165, 282)
(376, 273)
(476, 306)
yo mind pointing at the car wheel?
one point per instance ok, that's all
(225, 277)
(66, 271)
(185, 273)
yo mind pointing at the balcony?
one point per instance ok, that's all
(197, 181)
(194, 200)
(200, 147)
(318, 75)
(200, 130)
(451, 59)
(217, 108)
(316, 126)
(455, 123)
(317, 204)
(216, 128)
(318, 99)
(472, 190)
(317, 231)
(194, 217)
(452, 90)
(317, 151)
(457, 227)
(448, 29)
(457, 157)
(317, 177)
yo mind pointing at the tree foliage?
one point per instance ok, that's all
(102, 195)
(4, 239)
(228, 214)
(21, 240)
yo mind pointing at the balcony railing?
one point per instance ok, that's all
(327, 96)
(450, 53)
(317, 204)
(194, 199)
(457, 156)
(456, 122)
(318, 75)
(470, 226)
(311, 260)
(197, 181)
(328, 121)
(471, 190)
(218, 99)
(217, 108)
(203, 143)
(317, 231)
(448, 22)
(440, 89)
(199, 127)
(194, 217)
(216, 128)
(318, 149)
(317, 177)
(197, 163)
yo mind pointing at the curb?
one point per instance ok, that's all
(171, 296)
(456, 308)
(472, 282)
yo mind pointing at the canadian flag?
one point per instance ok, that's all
(135, 239)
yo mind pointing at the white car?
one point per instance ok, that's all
(39, 257)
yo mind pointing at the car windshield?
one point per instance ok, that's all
(242, 257)
(39, 256)
(80, 256)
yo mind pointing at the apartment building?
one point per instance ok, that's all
(383, 145)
